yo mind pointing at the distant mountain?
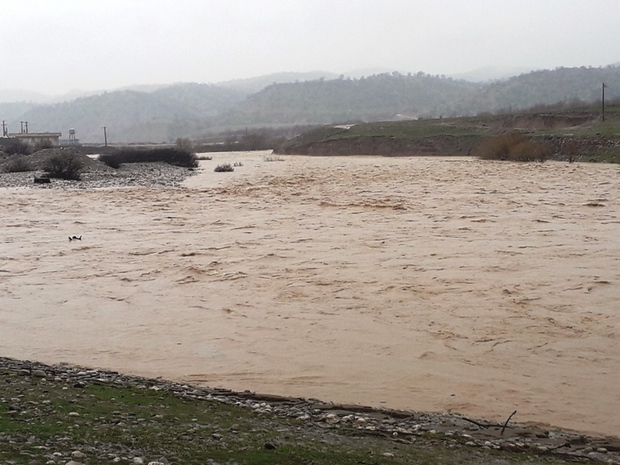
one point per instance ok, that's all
(21, 95)
(12, 113)
(384, 96)
(255, 84)
(363, 72)
(491, 73)
(541, 88)
(157, 114)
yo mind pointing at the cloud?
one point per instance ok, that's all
(66, 44)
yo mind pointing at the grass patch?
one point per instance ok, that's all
(43, 420)
(611, 155)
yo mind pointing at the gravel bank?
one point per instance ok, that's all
(96, 175)
(399, 426)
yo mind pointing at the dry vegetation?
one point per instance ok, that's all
(513, 147)
(171, 155)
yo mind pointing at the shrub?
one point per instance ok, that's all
(111, 160)
(223, 168)
(44, 144)
(17, 164)
(184, 144)
(514, 147)
(269, 159)
(64, 166)
(17, 147)
(170, 155)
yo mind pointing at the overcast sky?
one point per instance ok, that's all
(53, 46)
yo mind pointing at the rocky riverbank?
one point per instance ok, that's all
(318, 419)
(94, 174)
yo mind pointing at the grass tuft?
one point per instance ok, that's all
(224, 168)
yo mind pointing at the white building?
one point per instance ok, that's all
(37, 139)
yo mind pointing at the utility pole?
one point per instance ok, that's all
(105, 136)
(5, 133)
(603, 102)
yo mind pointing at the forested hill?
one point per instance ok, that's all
(256, 84)
(380, 97)
(546, 87)
(395, 96)
(130, 116)
(193, 110)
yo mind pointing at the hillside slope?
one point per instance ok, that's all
(195, 110)
(162, 115)
(544, 87)
(379, 97)
(578, 133)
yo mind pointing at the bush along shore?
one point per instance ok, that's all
(63, 414)
(20, 170)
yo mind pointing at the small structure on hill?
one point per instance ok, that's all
(72, 140)
(37, 139)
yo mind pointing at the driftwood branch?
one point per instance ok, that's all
(506, 424)
(491, 425)
(478, 424)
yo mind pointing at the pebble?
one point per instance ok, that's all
(332, 419)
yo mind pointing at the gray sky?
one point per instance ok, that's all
(53, 46)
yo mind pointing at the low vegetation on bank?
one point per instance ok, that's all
(171, 155)
(571, 134)
(64, 166)
(57, 415)
(17, 164)
(513, 146)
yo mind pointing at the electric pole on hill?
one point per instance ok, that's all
(105, 136)
(603, 102)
